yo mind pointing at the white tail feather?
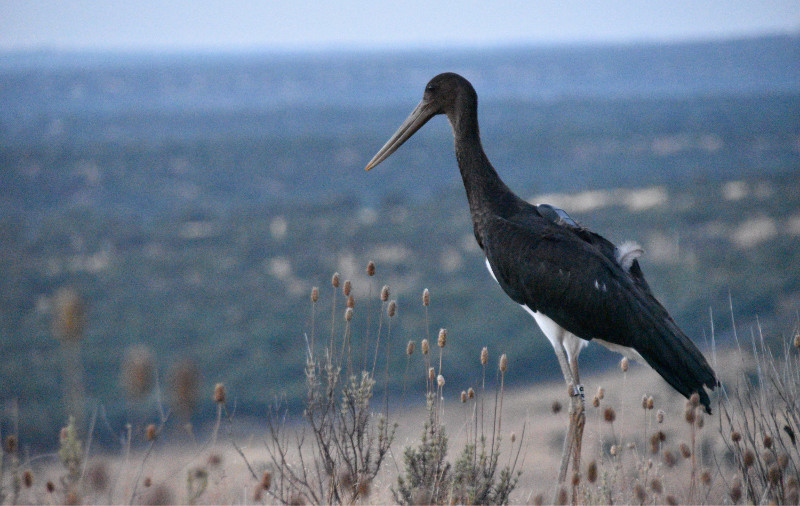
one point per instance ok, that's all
(627, 252)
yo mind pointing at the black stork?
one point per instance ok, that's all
(577, 285)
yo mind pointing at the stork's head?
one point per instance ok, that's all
(446, 93)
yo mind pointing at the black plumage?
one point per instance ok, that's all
(548, 263)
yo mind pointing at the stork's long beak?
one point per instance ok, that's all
(421, 114)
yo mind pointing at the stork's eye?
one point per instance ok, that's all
(430, 88)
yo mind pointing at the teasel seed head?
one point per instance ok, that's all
(431, 374)
(797, 340)
(767, 441)
(650, 403)
(150, 432)
(705, 477)
(440, 381)
(576, 479)
(351, 302)
(623, 364)
(656, 486)
(348, 314)
(471, 393)
(669, 459)
(97, 476)
(685, 451)
(69, 316)
(774, 474)
(736, 492)
(555, 407)
(484, 356)
(613, 450)
(138, 371)
(314, 294)
(184, 379)
(442, 338)
(609, 415)
(266, 480)
(660, 416)
(364, 488)
(346, 480)
(655, 443)
(370, 268)
(219, 393)
(426, 297)
(335, 280)
(347, 287)
(748, 459)
(591, 472)
(694, 399)
(11, 444)
(503, 365)
(147, 481)
(385, 293)
(644, 401)
(641, 494)
(596, 401)
(689, 414)
(513, 437)
(410, 348)
(27, 478)
(463, 396)
(425, 347)
(671, 501)
(736, 436)
(392, 309)
(601, 393)
(50, 487)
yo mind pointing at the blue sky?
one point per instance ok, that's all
(178, 25)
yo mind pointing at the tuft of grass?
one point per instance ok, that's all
(426, 479)
(344, 451)
(349, 441)
(476, 477)
(759, 423)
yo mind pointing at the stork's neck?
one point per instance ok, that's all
(486, 192)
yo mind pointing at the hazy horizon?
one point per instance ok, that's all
(242, 26)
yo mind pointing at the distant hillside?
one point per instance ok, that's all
(230, 290)
(194, 200)
(141, 133)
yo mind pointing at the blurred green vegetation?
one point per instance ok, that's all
(231, 291)
(193, 211)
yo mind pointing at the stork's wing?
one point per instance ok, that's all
(607, 248)
(553, 271)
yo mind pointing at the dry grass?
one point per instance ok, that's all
(656, 448)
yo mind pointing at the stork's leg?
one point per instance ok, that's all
(578, 422)
(569, 439)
